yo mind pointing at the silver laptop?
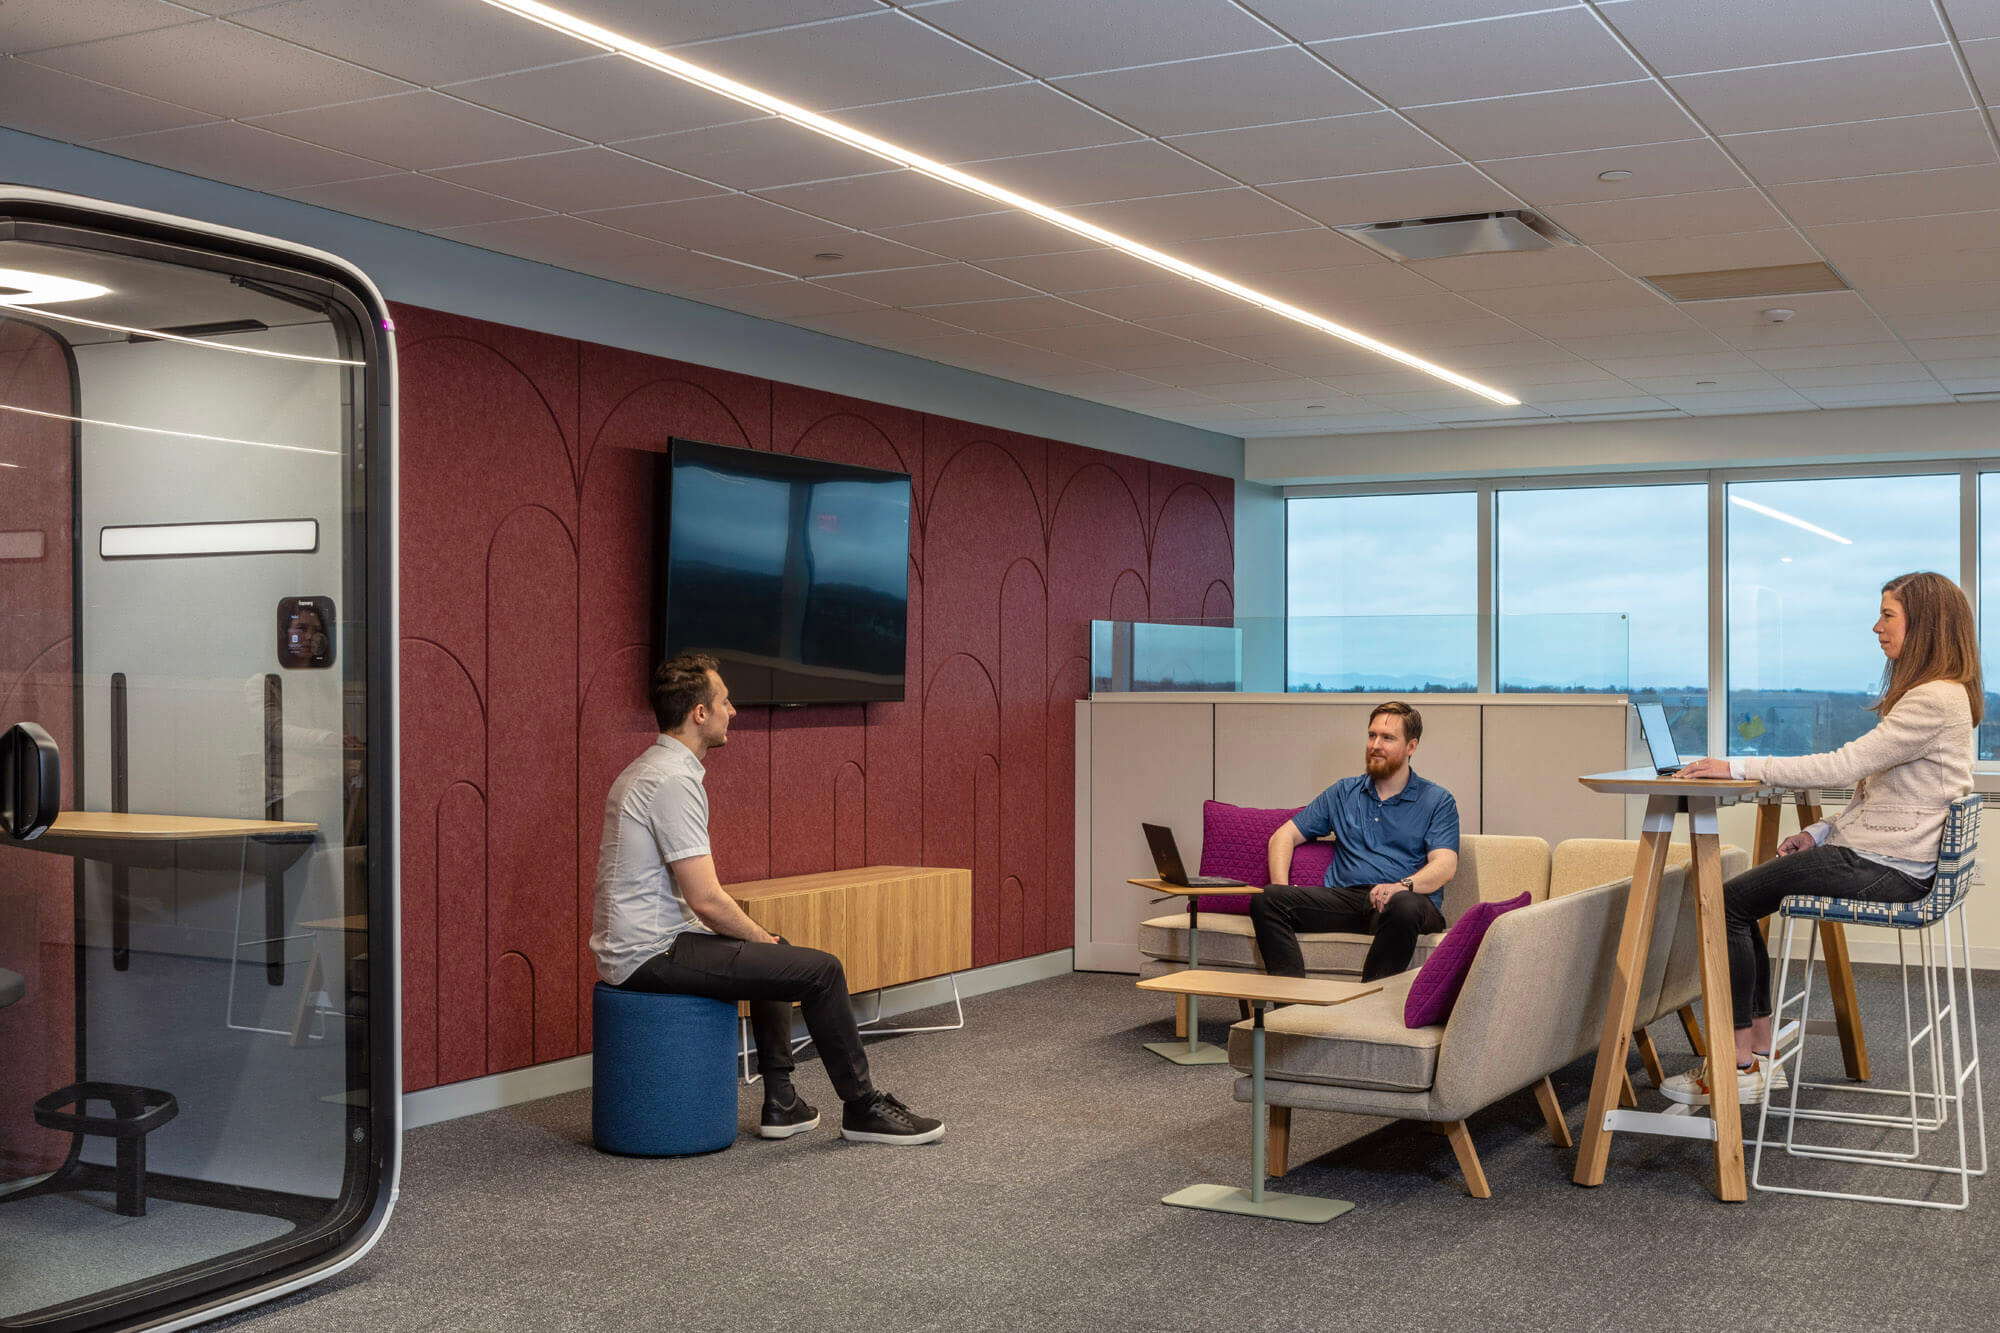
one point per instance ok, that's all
(1659, 739)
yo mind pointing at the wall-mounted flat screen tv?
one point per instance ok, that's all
(792, 572)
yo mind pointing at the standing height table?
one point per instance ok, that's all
(1194, 1051)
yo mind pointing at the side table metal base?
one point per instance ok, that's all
(1182, 1053)
(1236, 1199)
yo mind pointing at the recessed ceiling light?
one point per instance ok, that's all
(1616, 174)
(1315, 407)
(829, 257)
(1704, 384)
(688, 72)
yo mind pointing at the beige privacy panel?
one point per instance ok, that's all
(1276, 755)
(1148, 764)
(1533, 757)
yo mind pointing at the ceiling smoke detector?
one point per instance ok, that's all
(1516, 229)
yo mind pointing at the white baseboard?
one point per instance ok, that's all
(473, 1096)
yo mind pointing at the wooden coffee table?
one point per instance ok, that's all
(1260, 990)
(1193, 1051)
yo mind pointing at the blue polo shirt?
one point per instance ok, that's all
(1380, 842)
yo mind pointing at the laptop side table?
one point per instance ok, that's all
(1259, 990)
(1193, 1051)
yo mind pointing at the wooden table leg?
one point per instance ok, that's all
(1764, 846)
(1730, 1185)
(1627, 978)
(1840, 980)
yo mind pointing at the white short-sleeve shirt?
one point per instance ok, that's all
(656, 812)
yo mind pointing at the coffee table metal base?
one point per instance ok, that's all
(1236, 1199)
(1182, 1053)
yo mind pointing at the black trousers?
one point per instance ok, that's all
(1281, 911)
(1823, 872)
(771, 977)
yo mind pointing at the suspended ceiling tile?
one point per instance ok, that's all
(1015, 314)
(221, 7)
(869, 325)
(1927, 235)
(34, 27)
(792, 299)
(1689, 342)
(409, 200)
(1474, 273)
(1316, 20)
(1524, 53)
(1904, 195)
(792, 253)
(1934, 298)
(1660, 317)
(1441, 340)
(185, 63)
(603, 99)
(1095, 381)
(659, 24)
(1154, 300)
(1389, 195)
(1602, 407)
(1611, 294)
(579, 179)
(1864, 148)
(1702, 366)
(1868, 268)
(1962, 324)
(1669, 217)
(702, 223)
(876, 57)
(1170, 221)
(1822, 92)
(1222, 92)
(1081, 271)
(1508, 359)
(227, 150)
(417, 130)
(1676, 37)
(1741, 381)
(1687, 167)
(757, 155)
(1741, 403)
(1954, 349)
(1156, 360)
(61, 106)
(1880, 353)
(1230, 379)
(1008, 121)
(1558, 122)
(878, 200)
(926, 285)
(1290, 390)
(1307, 247)
(1051, 38)
(602, 252)
(1241, 322)
(988, 236)
(1100, 175)
(1863, 328)
(1983, 59)
(1807, 308)
(1378, 315)
(1707, 254)
(1878, 395)
(1824, 377)
(996, 357)
(1314, 149)
(424, 43)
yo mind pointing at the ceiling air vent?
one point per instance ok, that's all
(1731, 284)
(1460, 234)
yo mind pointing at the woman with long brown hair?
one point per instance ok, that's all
(1905, 772)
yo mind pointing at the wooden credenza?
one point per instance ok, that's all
(887, 924)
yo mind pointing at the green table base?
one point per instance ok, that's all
(1235, 1199)
(1181, 1053)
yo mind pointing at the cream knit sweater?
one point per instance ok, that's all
(1905, 773)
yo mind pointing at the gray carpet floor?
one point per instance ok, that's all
(1040, 1209)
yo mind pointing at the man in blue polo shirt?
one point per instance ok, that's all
(1395, 847)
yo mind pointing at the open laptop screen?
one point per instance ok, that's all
(1659, 738)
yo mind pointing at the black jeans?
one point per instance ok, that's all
(1281, 911)
(770, 977)
(1822, 872)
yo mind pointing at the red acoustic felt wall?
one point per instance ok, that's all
(527, 544)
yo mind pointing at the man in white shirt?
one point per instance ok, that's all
(663, 923)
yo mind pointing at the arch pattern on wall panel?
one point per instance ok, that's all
(528, 537)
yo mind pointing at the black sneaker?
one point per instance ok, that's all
(781, 1122)
(880, 1118)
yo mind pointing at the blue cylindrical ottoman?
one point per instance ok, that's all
(663, 1073)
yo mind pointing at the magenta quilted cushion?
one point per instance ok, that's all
(1436, 988)
(1233, 843)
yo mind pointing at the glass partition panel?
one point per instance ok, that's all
(193, 1080)
(1989, 609)
(1807, 560)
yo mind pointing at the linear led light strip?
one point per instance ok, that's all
(10, 304)
(1783, 517)
(251, 537)
(550, 17)
(161, 430)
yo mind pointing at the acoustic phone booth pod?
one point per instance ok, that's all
(199, 1064)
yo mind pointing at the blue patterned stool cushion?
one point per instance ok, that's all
(663, 1073)
(1958, 847)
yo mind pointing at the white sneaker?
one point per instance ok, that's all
(1752, 1085)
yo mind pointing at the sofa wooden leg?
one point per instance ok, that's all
(1180, 1015)
(1278, 1143)
(1692, 1026)
(1650, 1055)
(1627, 1094)
(1545, 1093)
(1468, 1160)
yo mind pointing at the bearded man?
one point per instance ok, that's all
(1395, 847)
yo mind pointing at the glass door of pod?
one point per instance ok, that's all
(198, 1059)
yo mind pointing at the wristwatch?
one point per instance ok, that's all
(1409, 882)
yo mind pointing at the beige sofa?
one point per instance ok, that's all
(1533, 1002)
